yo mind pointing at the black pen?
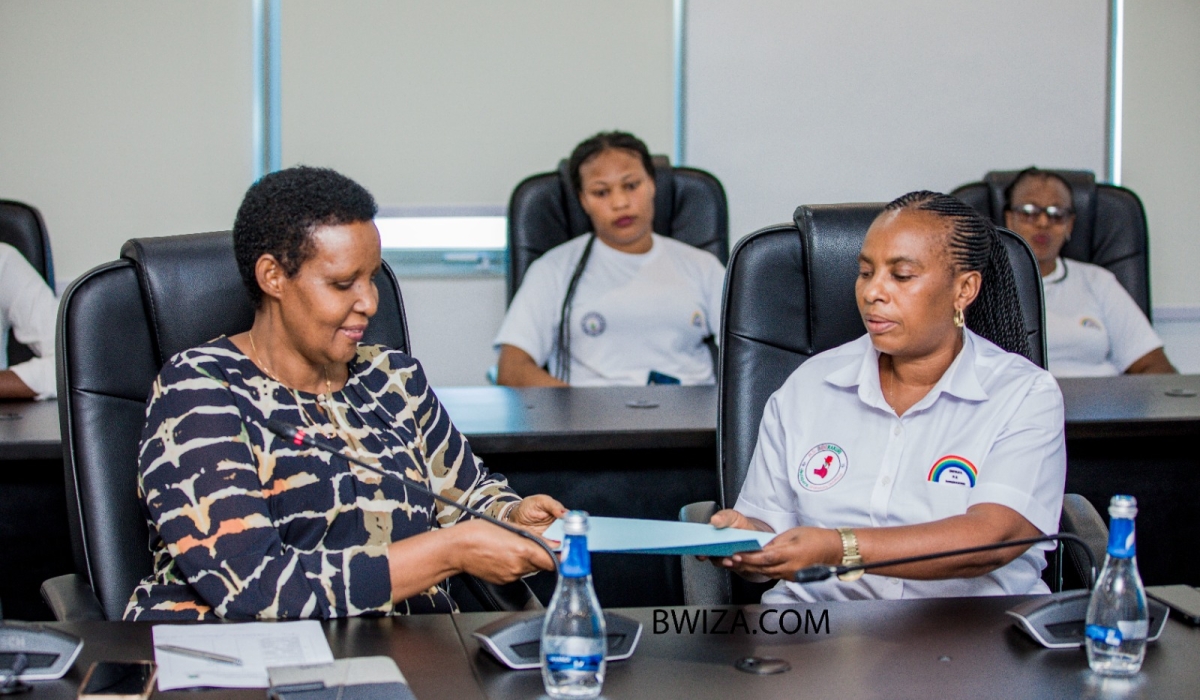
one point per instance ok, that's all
(199, 654)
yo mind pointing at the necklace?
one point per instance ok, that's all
(267, 370)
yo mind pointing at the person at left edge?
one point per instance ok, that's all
(29, 308)
(245, 524)
(931, 432)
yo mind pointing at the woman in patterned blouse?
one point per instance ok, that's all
(246, 525)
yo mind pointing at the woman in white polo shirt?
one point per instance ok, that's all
(921, 436)
(623, 305)
(1093, 327)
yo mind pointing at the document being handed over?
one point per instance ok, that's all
(636, 536)
(235, 655)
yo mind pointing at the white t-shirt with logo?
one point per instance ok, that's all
(832, 453)
(1093, 327)
(632, 313)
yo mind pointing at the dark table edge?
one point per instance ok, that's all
(14, 451)
(490, 443)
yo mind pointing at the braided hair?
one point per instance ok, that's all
(975, 246)
(585, 151)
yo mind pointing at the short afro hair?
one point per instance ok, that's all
(280, 212)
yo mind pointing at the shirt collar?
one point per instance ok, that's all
(960, 380)
(1059, 274)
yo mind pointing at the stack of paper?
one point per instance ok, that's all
(256, 645)
(636, 536)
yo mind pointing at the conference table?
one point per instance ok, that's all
(935, 648)
(647, 451)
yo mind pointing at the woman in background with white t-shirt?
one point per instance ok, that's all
(1093, 327)
(622, 306)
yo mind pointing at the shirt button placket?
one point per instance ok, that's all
(881, 495)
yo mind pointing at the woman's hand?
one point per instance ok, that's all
(536, 513)
(494, 554)
(731, 518)
(791, 551)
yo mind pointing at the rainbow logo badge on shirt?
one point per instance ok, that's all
(697, 319)
(953, 469)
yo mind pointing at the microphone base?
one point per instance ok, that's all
(516, 640)
(1056, 621)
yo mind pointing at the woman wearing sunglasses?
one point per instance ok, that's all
(1093, 326)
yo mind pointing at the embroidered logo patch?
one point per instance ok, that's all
(697, 319)
(953, 469)
(822, 467)
(592, 324)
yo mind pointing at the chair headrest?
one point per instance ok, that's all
(832, 235)
(1083, 195)
(191, 288)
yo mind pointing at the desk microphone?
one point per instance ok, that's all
(514, 641)
(1055, 621)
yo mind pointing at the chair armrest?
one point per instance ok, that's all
(699, 512)
(703, 583)
(1080, 518)
(71, 599)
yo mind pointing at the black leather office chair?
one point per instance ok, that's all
(21, 227)
(789, 294)
(117, 325)
(1110, 225)
(544, 211)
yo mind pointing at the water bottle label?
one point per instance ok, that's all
(1134, 629)
(1103, 635)
(1121, 543)
(565, 662)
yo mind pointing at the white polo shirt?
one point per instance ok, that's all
(29, 308)
(632, 313)
(1093, 327)
(832, 453)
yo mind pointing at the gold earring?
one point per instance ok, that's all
(959, 319)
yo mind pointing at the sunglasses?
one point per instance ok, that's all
(1031, 212)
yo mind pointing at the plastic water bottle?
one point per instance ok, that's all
(573, 638)
(1117, 617)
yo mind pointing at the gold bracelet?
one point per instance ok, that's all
(850, 555)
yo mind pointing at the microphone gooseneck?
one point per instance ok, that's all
(820, 572)
(299, 437)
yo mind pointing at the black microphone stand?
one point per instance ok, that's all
(820, 572)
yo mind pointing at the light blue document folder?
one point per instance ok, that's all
(636, 536)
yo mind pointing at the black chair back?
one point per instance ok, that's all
(21, 227)
(117, 325)
(544, 211)
(1110, 225)
(789, 294)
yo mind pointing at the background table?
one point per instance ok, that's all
(34, 540)
(638, 452)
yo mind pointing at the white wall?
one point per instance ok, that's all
(807, 102)
(1162, 139)
(455, 102)
(124, 118)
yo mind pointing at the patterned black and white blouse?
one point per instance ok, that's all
(246, 525)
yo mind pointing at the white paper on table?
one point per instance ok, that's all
(258, 644)
(637, 536)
